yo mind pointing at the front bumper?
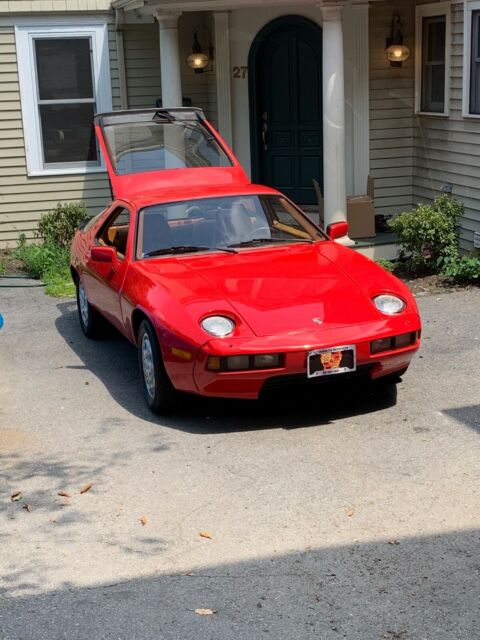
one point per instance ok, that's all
(249, 384)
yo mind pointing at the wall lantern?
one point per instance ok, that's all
(198, 60)
(396, 51)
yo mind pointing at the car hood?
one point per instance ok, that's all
(286, 289)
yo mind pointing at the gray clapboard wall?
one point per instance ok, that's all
(23, 199)
(392, 94)
(447, 149)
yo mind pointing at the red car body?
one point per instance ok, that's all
(288, 299)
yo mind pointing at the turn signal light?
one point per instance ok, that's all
(393, 342)
(245, 362)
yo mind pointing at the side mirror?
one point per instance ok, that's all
(106, 255)
(337, 230)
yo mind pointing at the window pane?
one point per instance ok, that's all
(436, 39)
(67, 132)
(433, 64)
(475, 65)
(64, 68)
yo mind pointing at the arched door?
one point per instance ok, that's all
(285, 72)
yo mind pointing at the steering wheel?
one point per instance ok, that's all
(194, 211)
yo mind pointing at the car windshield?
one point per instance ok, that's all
(138, 147)
(225, 223)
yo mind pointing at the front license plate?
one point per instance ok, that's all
(327, 362)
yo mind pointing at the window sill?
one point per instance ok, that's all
(66, 171)
(471, 116)
(435, 114)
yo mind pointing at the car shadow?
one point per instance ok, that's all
(113, 360)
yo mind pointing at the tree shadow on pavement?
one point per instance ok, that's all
(469, 416)
(113, 360)
(418, 588)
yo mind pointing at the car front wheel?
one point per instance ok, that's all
(89, 317)
(159, 392)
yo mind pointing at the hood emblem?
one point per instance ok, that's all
(317, 320)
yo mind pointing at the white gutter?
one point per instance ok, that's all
(122, 77)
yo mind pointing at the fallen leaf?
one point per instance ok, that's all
(26, 507)
(15, 497)
(86, 487)
(350, 512)
(205, 612)
(65, 494)
(144, 520)
(205, 534)
(189, 574)
(393, 542)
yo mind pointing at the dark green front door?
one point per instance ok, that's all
(287, 132)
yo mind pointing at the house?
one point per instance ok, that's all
(302, 90)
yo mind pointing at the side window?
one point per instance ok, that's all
(115, 232)
(433, 53)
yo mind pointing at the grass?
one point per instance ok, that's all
(49, 263)
(3, 268)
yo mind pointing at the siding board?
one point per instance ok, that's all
(23, 199)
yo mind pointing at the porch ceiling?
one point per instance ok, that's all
(220, 5)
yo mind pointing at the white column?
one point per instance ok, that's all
(361, 116)
(170, 60)
(222, 62)
(334, 174)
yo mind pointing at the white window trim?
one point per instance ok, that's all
(24, 34)
(468, 9)
(425, 11)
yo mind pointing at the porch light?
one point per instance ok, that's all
(197, 60)
(396, 51)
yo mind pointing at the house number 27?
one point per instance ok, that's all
(240, 72)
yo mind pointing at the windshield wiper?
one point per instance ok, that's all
(254, 241)
(185, 248)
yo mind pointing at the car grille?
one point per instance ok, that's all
(278, 382)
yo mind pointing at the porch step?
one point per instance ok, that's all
(380, 247)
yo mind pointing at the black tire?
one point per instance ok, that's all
(90, 320)
(160, 394)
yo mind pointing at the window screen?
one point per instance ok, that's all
(475, 65)
(433, 64)
(66, 99)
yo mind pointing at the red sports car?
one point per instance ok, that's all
(226, 287)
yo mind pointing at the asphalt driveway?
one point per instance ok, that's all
(331, 515)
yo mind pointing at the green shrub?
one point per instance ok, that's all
(47, 262)
(465, 269)
(3, 268)
(58, 226)
(388, 265)
(428, 233)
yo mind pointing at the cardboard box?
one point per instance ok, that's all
(360, 212)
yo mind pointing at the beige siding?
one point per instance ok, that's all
(23, 199)
(391, 112)
(142, 66)
(36, 6)
(447, 150)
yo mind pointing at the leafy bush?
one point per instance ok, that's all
(388, 265)
(3, 268)
(464, 269)
(428, 233)
(57, 227)
(49, 263)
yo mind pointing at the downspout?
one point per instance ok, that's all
(122, 78)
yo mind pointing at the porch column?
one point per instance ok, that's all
(169, 59)
(334, 173)
(222, 55)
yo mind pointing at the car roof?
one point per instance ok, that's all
(195, 193)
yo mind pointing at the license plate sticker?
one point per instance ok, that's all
(328, 362)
